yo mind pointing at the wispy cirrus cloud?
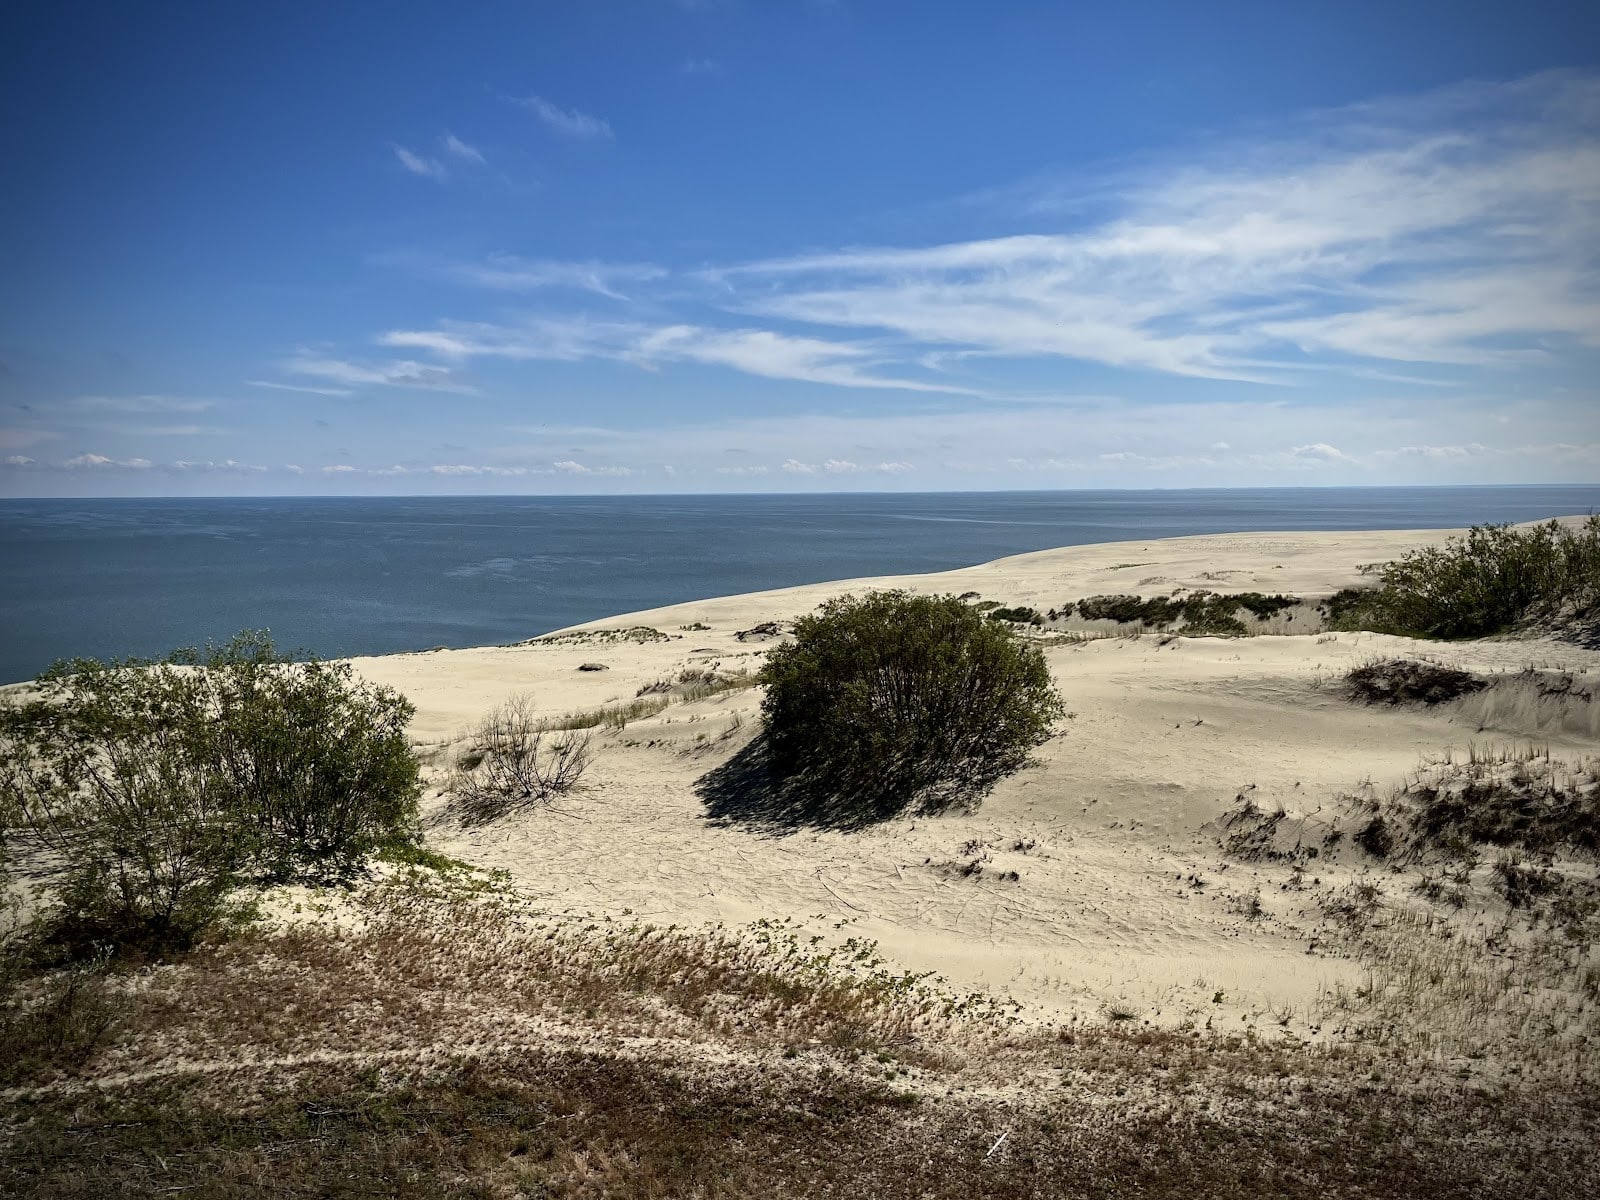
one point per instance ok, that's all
(420, 164)
(759, 352)
(568, 122)
(1459, 228)
(146, 403)
(463, 151)
(401, 374)
(511, 273)
(306, 389)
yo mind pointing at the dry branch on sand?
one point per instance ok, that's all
(511, 763)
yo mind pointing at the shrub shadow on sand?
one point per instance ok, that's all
(750, 792)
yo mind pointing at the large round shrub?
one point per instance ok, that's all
(892, 699)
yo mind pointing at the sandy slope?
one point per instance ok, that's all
(1122, 896)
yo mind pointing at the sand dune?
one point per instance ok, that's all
(1121, 897)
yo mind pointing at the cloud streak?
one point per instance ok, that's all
(420, 164)
(1456, 230)
(758, 352)
(1461, 228)
(568, 122)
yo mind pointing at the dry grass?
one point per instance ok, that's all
(435, 1038)
(610, 716)
(1536, 703)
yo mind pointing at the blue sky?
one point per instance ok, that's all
(723, 245)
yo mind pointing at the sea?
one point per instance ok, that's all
(340, 576)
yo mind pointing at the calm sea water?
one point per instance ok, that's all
(364, 576)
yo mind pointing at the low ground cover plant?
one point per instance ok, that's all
(1398, 681)
(1199, 612)
(890, 700)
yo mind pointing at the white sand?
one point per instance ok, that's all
(1165, 736)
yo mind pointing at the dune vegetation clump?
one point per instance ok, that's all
(891, 699)
(510, 763)
(1200, 613)
(1494, 580)
(162, 787)
(1397, 681)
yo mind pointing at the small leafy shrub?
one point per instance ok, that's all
(1493, 580)
(162, 786)
(1020, 615)
(317, 760)
(893, 699)
(1398, 681)
(1199, 612)
(510, 764)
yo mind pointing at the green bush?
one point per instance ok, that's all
(161, 786)
(1493, 580)
(1020, 615)
(891, 699)
(317, 761)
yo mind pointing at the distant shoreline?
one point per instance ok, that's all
(109, 579)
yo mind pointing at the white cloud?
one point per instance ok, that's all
(456, 148)
(403, 374)
(419, 164)
(299, 387)
(144, 404)
(99, 462)
(568, 122)
(1320, 452)
(1460, 228)
(754, 351)
(1435, 452)
(507, 272)
(18, 460)
(226, 466)
(569, 467)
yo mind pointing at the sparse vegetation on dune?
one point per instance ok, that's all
(450, 1041)
(1528, 702)
(509, 764)
(1494, 580)
(161, 787)
(1398, 681)
(1197, 613)
(1510, 799)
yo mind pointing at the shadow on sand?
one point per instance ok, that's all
(750, 792)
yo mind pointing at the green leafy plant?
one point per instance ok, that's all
(1494, 579)
(162, 786)
(892, 699)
